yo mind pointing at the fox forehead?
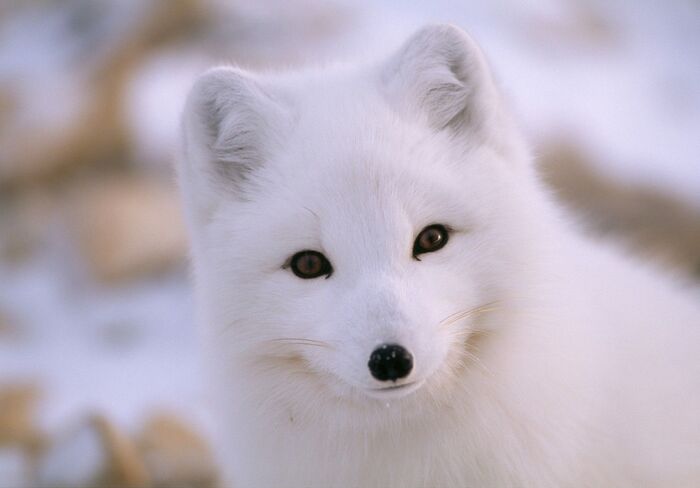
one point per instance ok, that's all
(380, 176)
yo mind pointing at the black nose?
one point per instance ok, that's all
(390, 362)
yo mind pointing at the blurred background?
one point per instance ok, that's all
(99, 382)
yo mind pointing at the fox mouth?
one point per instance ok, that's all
(394, 391)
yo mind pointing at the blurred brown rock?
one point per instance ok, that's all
(20, 438)
(42, 148)
(176, 455)
(40, 138)
(17, 412)
(125, 467)
(24, 219)
(129, 227)
(654, 224)
(93, 454)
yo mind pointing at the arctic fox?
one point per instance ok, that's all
(390, 297)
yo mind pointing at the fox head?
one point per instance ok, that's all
(354, 229)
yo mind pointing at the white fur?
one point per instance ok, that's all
(583, 371)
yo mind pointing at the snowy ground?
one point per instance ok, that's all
(620, 77)
(123, 351)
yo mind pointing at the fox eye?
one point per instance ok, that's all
(431, 239)
(310, 264)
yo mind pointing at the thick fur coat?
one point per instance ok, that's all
(540, 358)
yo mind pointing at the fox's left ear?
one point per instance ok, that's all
(441, 74)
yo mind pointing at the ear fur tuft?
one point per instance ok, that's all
(229, 125)
(441, 73)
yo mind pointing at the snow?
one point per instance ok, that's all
(13, 468)
(75, 460)
(155, 99)
(126, 351)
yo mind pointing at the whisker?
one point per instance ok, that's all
(474, 359)
(300, 341)
(461, 333)
(470, 312)
(487, 307)
(229, 326)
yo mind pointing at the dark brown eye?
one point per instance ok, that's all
(310, 264)
(430, 239)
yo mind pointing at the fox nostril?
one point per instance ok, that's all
(390, 362)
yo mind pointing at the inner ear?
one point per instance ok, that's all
(232, 122)
(440, 74)
(238, 127)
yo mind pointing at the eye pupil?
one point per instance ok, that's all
(310, 264)
(430, 239)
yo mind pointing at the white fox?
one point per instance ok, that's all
(390, 297)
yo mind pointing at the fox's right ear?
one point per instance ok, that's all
(230, 124)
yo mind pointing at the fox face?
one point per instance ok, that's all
(354, 230)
